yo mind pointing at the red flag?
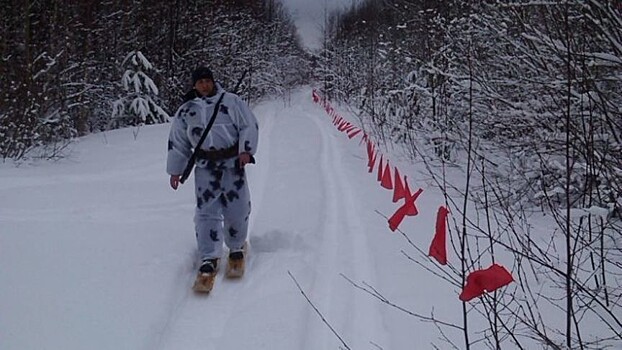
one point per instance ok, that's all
(371, 149)
(350, 128)
(405, 209)
(353, 134)
(438, 248)
(316, 96)
(406, 187)
(379, 178)
(488, 280)
(386, 178)
(398, 192)
(371, 163)
(412, 210)
(410, 202)
(397, 218)
(371, 156)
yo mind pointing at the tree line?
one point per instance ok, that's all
(62, 63)
(524, 99)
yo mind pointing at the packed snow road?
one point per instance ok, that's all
(306, 220)
(97, 252)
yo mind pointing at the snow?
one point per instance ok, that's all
(97, 252)
(594, 211)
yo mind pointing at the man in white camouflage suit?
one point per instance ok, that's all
(223, 199)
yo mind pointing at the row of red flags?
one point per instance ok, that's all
(479, 281)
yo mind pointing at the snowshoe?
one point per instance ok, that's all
(206, 276)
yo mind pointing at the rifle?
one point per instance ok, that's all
(193, 158)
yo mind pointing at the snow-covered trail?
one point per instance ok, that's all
(306, 220)
(97, 252)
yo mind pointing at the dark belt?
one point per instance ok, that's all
(218, 154)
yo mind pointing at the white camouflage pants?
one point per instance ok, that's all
(223, 208)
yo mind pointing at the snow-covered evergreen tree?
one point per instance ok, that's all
(139, 105)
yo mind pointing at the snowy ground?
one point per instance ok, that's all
(97, 252)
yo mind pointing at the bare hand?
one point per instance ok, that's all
(244, 158)
(175, 181)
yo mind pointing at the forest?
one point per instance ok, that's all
(71, 68)
(523, 98)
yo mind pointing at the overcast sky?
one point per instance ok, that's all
(309, 17)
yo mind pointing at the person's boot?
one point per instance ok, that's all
(206, 276)
(236, 263)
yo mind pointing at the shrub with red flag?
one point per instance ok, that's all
(438, 248)
(379, 178)
(488, 280)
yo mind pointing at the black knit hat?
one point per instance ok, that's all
(201, 73)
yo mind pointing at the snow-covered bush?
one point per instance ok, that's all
(140, 103)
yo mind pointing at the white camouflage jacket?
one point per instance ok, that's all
(235, 123)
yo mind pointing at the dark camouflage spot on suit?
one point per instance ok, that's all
(232, 195)
(232, 232)
(196, 132)
(239, 172)
(215, 185)
(239, 184)
(213, 235)
(211, 165)
(207, 195)
(223, 200)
